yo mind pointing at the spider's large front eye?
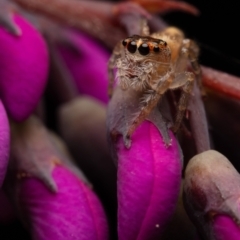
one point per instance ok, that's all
(132, 47)
(124, 42)
(144, 49)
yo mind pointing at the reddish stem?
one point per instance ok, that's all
(221, 82)
(95, 18)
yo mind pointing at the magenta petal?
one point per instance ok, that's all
(23, 69)
(88, 67)
(4, 142)
(73, 213)
(225, 228)
(149, 177)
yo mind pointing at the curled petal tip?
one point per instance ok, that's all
(10, 26)
(6, 18)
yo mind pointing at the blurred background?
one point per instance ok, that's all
(216, 30)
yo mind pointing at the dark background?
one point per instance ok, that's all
(216, 30)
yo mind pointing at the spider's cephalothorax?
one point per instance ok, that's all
(144, 56)
(152, 65)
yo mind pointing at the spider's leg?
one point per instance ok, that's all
(186, 81)
(192, 51)
(150, 100)
(117, 53)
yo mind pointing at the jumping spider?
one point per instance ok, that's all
(152, 65)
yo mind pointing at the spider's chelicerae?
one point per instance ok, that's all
(152, 64)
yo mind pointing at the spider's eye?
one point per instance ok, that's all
(144, 49)
(132, 47)
(124, 42)
(156, 49)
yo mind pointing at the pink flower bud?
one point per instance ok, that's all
(88, 66)
(23, 69)
(149, 177)
(73, 213)
(51, 195)
(211, 194)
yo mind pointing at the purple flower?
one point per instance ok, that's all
(4, 142)
(52, 196)
(23, 69)
(211, 194)
(149, 177)
(88, 65)
(73, 213)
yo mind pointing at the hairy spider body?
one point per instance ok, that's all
(152, 64)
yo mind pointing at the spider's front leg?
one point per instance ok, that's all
(149, 101)
(186, 81)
